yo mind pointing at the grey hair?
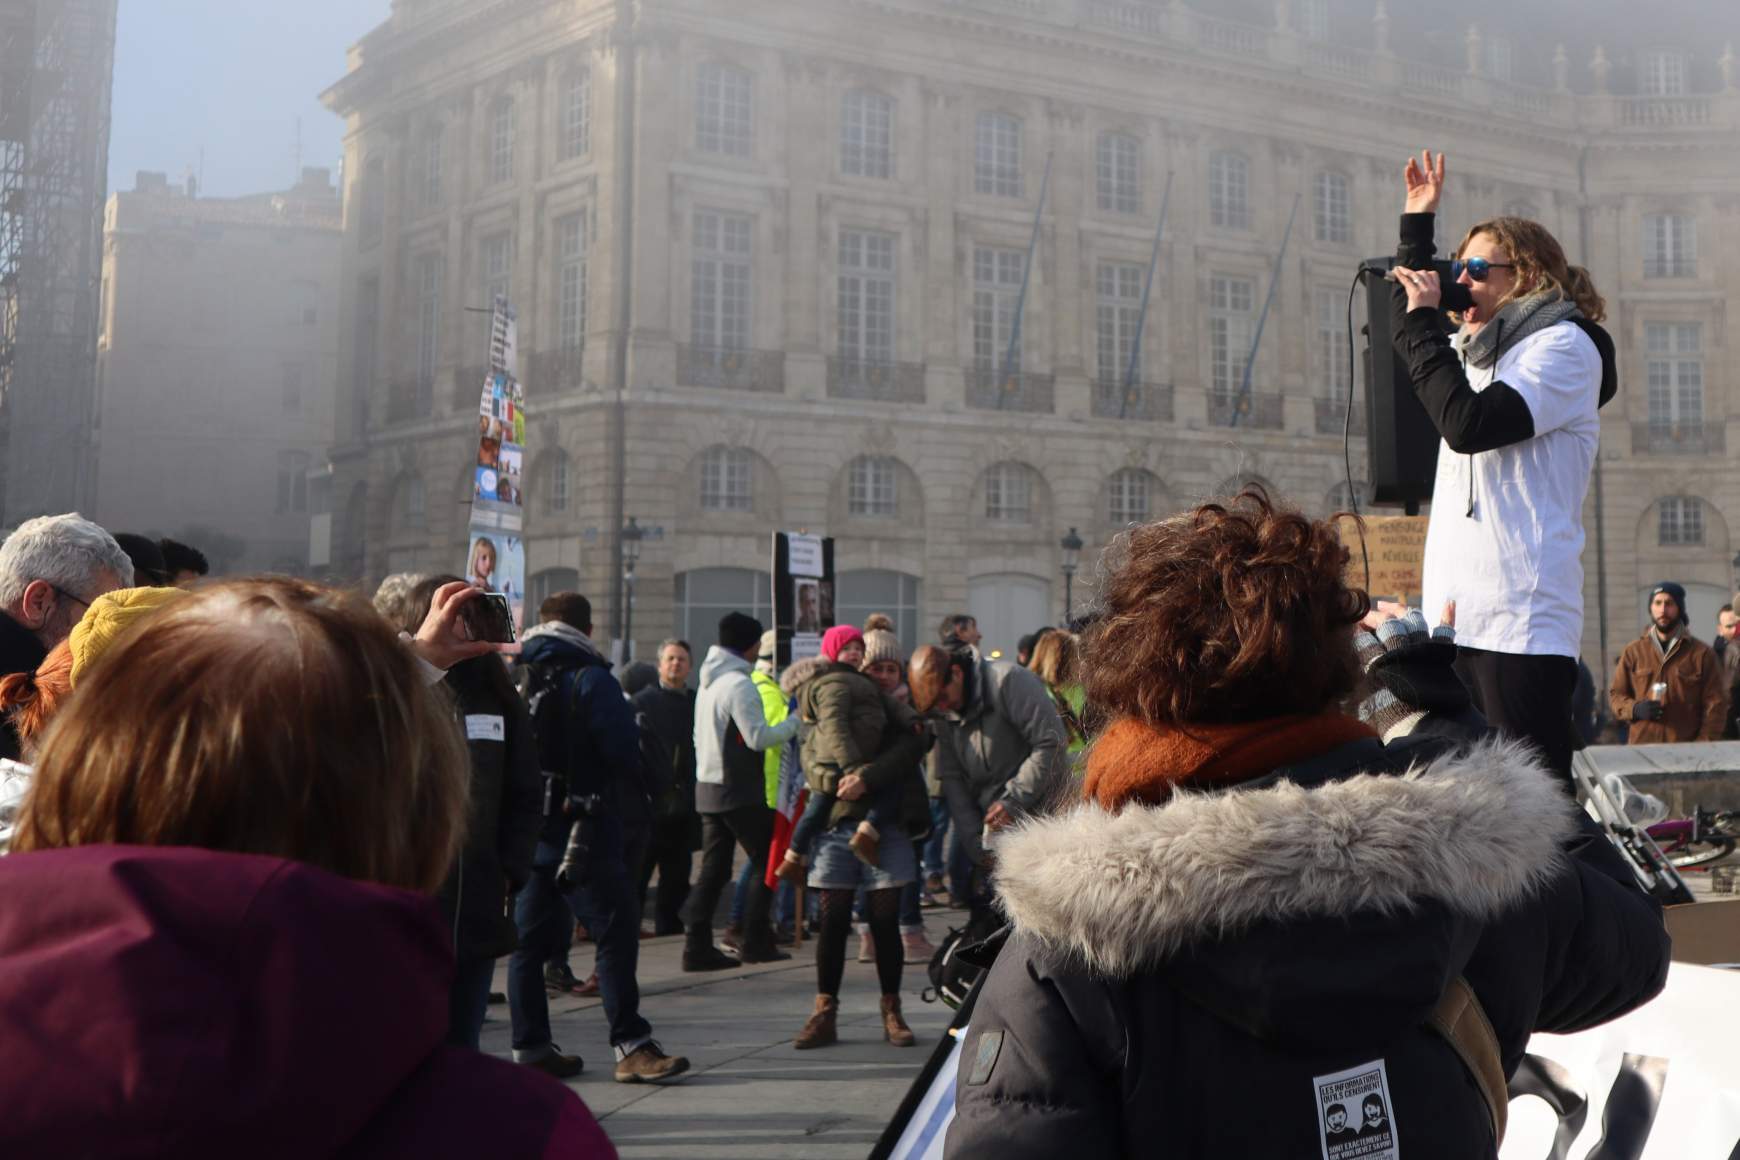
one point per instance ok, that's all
(392, 598)
(67, 551)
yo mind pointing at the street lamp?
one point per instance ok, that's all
(632, 534)
(1071, 545)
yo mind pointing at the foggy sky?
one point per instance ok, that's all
(232, 76)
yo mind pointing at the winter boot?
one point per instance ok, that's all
(820, 1030)
(916, 946)
(893, 1026)
(866, 843)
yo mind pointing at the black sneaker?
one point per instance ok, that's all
(711, 959)
(560, 980)
(553, 1062)
(767, 954)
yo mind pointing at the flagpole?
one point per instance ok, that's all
(1257, 341)
(1142, 317)
(1006, 385)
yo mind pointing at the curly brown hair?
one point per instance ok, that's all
(1237, 611)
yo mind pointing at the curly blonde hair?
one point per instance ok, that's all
(1540, 263)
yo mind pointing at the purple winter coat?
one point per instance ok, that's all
(164, 1001)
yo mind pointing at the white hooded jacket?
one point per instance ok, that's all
(731, 731)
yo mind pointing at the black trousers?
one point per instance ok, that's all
(750, 827)
(672, 854)
(1527, 697)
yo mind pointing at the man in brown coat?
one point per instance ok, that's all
(1669, 685)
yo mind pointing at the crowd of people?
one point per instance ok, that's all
(1237, 822)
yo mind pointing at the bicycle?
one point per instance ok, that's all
(1706, 837)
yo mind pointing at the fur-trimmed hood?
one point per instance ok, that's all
(800, 673)
(1467, 834)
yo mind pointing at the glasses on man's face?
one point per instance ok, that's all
(70, 596)
(1478, 269)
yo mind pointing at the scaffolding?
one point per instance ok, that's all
(56, 81)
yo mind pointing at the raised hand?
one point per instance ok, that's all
(1425, 178)
(443, 640)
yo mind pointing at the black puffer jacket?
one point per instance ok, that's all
(506, 810)
(1185, 978)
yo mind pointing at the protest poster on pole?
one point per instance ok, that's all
(496, 555)
(803, 593)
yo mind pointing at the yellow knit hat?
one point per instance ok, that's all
(108, 619)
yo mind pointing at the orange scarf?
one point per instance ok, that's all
(1135, 761)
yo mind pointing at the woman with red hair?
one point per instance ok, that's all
(1261, 902)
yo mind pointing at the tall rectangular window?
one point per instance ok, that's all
(571, 281)
(290, 397)
(1118, 173)
(997, 155)
(866, 305)
(366, 353)
(1670, 246)
(1129, 498)
(997, 277)
(867, 135)
(496, 264)
(723, 280)
(428, 282)
(1329, 354)
(873, 487)
(1009, 493)
(725, 480)
(1118, 316)
(1500, 57)
(502, 130)
(1313, 18)
(1680, 521)
(1230, 323)
(1332, 209)
(575, 131)
(374, 202)
(1229, 191)
(724, 110)
(292, 482)
(1674, 352)
(434, 160)
(1662, 73)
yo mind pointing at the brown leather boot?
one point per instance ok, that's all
(893, 1026)
(820, 1031)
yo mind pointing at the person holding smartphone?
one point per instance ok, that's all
(1514, 394)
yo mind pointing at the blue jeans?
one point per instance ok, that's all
(467, 1000)
(936, 846)
(784, 899)
(545, 921)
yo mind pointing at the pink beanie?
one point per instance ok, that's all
(837, 638)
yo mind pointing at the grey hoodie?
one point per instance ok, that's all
(731, 731)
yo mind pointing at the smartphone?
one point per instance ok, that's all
(490, 617)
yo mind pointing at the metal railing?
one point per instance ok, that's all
(1332, 416)
(881, 382)
(989, 389)
(1256, 410)
(1150, 402)
(1703, 438)
(737, 370)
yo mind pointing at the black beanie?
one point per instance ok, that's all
(738, 632)
(1679, 596)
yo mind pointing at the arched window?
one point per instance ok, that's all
(867, 135)
(575, 130)
(1333, 206)
(1229, 191)
(1680, 521)
(502, 130)
(1118, 173)
(873, 487)
(727, 475)
(1009, 493)
(724, 110)
(862, 592)
(997, 155)
(1130, 497)
(704, 595)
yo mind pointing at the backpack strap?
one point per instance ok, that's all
(1461, 1020)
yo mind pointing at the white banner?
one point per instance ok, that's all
(1663, 1083)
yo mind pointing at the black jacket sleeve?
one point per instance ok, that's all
(1469, 420)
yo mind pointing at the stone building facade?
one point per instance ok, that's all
(217, 366)
(767, 257)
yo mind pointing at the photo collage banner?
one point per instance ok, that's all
(496, 561)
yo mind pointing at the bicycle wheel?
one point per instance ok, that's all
(1702, 852)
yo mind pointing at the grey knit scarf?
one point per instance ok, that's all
(1515, 322)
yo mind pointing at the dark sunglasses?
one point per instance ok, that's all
(1478, 268)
